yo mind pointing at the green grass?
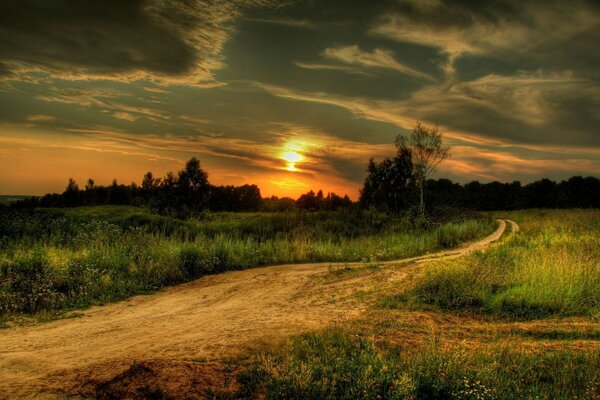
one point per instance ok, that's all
(68, 258)
(552, 267)
(549, 269)
(10, 198)
(335, 364)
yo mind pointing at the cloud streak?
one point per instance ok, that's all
(378, 58)
(494, 29)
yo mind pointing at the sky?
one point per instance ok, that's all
(294, 95)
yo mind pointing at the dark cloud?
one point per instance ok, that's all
(98, 37)
(4, 70)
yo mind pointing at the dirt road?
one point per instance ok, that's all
(207, 318)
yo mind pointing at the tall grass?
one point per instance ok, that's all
(338, 365)
(63, 259)
(551, 268)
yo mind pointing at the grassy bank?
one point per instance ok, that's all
(336, 364)
(516, 321)
(551, 268)
(60, 259)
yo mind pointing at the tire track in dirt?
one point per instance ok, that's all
(209, 318)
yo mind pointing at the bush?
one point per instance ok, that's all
(335, 364)
(28, 285)
(332, 365)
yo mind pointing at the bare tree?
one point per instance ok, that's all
(427, 151)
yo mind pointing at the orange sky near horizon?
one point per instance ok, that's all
(36, 162)
(297, 95)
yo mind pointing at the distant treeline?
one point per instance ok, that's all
(183, 194)
(576, 192)
(443, 194)
(189, 192)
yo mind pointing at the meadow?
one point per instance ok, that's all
(60, 259)
(553, 269)
(519, 320)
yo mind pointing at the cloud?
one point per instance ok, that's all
(529, 107)
(494, 164)
(125, 116)
(371, 109)
(117, 102)
(491, 29)
(5, 70)
(378, 58)
(40, 118)
(520, 96)
(330, 67)
(167, 41)
(287, 22)
(526, 108)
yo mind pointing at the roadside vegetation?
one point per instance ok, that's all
(516, 321)
(519, 320)
(337, 364)
(55, 259)
(551, 269)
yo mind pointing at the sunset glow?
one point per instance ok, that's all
(514, 89)
(292, 158)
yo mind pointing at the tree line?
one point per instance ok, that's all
(179, 198)
(443, 194)
(183, 194)
(399, 184)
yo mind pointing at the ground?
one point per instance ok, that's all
(193, 328)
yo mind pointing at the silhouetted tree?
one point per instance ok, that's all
(389, 183)
(235, 198)
(541, 194)
(192, 188)
(274, 204)
(71, 194)
(149, 183)
(427, 152)
(308, 201)
(90, 192)
(320, 202)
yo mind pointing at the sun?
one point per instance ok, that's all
(292, 154)
(292, 158)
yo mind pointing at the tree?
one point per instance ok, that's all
(192, 187)
(234, 198)
(90, 185)
(90, 192)
(308, 201)
(389, 183)
(427, 151)
(71, 194)
(149, 183)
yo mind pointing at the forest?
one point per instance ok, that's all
(386, 188)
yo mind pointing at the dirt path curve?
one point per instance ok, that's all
(207, 318)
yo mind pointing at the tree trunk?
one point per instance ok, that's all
(422, 203)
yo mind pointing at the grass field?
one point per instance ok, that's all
(553, 269)
(338, 364)
(8, 198)
(517, 321)
(57, 259)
